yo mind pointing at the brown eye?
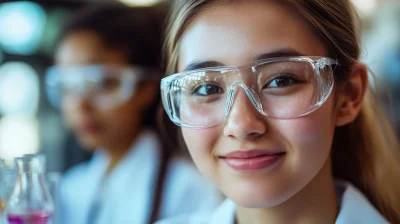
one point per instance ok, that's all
(207, 90)
(281, 81)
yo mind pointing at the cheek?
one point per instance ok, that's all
(309, 139)
(70, 116)
(308, 133)
(200, 144)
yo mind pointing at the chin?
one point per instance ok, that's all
(90, 143)
(253, 195)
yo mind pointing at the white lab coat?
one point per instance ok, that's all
(126, 195)
(354, 208)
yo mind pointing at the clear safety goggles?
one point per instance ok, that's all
(103, 86)
(281, 88)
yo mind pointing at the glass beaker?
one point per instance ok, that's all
(30, 201)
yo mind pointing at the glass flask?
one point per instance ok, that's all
(30, 201)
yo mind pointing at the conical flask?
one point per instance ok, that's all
(30, 201)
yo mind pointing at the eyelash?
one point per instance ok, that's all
(204, 84)
(284, 75)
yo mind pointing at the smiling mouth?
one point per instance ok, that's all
(252, 160)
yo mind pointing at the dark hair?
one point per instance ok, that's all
(136, 33)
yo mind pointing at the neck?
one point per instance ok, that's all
(315, 203)
(118, 151)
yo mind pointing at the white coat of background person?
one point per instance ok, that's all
(106, 86)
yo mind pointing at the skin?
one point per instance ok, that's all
(233, 34)
(115, 129)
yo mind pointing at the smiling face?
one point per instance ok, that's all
(235, 34)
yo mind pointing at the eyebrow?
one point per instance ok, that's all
(284, 52)
(202, 64)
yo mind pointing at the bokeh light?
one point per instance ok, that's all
(365, 6)
(19, 135)
(21, 24)
(19, 89)
(382, 44)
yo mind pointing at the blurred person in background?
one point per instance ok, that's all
(276, 109)
(106, 82)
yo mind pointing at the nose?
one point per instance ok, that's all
(244, 121)
(78, 103)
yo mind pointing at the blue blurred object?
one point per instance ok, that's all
(391, 67)
(24, 23)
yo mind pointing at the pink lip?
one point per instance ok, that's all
(250, 160)
(89, 127)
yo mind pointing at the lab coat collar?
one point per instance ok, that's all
(354, 208)
(133, 179)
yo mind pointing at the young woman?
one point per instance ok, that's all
(275, 109)
(105, 82)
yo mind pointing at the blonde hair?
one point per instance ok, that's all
(364, 152)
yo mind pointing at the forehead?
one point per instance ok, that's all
(86, 47)
(235, 33)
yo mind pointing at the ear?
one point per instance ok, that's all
(351, 95)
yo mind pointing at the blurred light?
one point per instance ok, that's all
(382, 44)
(391, 66)
(140, 2)
(365, 6)
(19, 89)
(21, 25)
(18, 136)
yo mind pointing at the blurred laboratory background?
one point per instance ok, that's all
(28, 35)
(29, 31)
